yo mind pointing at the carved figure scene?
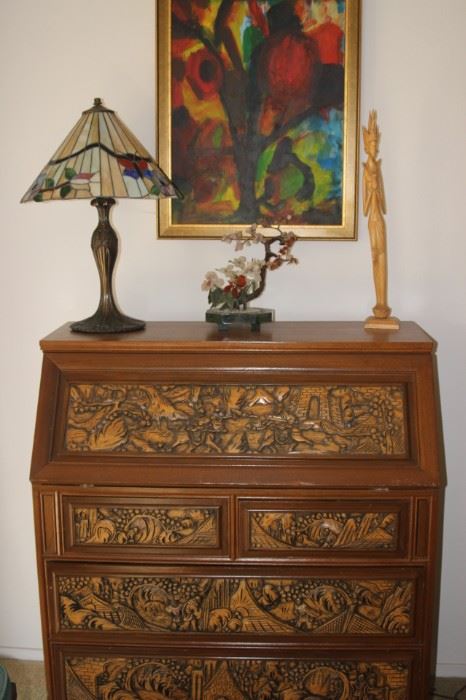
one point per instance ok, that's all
(236, 605)
(320, 530)
(154, 526)
(209, 679)
(237, 419)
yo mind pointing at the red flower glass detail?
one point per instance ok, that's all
(135, 168)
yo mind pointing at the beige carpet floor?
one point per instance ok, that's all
(30, 684)
(28, 677)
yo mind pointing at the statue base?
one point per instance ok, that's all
(382, 324)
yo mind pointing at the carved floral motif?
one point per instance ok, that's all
(323, 530)
(136, 678)
(237, 419)
(236, 605)
(161, 526)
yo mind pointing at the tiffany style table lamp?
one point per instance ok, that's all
(101, 160)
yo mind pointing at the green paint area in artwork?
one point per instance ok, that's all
(252, 38)
(302, 168)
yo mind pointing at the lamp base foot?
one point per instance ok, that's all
(115, 322)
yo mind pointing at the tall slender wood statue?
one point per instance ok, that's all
(374, 208)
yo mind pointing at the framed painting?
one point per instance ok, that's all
(258, 115)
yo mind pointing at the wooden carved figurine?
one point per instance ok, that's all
(374, 208)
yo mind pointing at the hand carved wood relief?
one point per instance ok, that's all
(317, 530)
(235, 517)
(236, 605)
(234, 679)
(338, 420)
(159, 526)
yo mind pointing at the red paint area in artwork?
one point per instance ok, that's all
(258, 17)
(286, 78)
(329, 38)
(287, 66)
(204, 73)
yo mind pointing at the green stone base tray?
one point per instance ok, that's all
(224, 318)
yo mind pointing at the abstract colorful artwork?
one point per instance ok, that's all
(258, 115)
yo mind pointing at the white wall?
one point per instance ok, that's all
(55, 58)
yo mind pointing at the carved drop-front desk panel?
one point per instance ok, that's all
(237, 419)
(239, 515)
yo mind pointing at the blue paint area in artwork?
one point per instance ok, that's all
(328, 146)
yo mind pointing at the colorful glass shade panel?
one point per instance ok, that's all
(100, 157)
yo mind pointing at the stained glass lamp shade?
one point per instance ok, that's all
(101, 160)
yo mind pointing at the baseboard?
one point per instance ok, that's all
(451, 670)
(21, 653)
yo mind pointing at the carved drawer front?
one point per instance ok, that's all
(140, 677)
(322, 529)
(332, 603)
(313, 419)
(172, 527)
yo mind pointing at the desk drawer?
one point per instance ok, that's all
(314, 603)
(323, 528)
(173, 527)
(217, 674)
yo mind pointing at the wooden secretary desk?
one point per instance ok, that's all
(238, 516)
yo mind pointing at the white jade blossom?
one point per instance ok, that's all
(242, 279)
(212, 280)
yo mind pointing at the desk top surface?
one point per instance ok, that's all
(312, 336)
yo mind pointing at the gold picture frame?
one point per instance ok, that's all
(230, 130)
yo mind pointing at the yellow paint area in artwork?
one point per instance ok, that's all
(311, 15)
(200, 109)
(236, 17)
(205, 109)
(207, 16)
(327, 11)
(188, 50)
(229, 198)
(237, 22)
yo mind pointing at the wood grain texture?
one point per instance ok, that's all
(336, 606)
(374, 207)
(322, 530)
(316, 336)
(326, 529)
(153, 526)
(237, 419)
(141, 678)
(239, 516)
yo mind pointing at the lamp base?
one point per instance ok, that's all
(104, 243)
(115, 322)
